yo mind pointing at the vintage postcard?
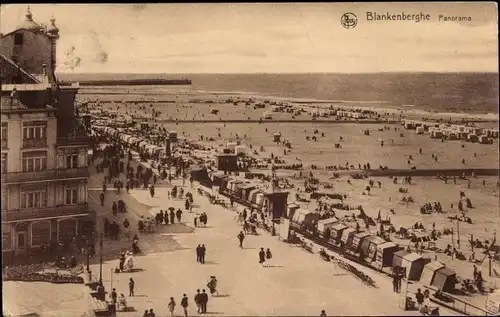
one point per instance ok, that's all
(250, 159)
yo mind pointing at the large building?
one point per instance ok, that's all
(44, 145)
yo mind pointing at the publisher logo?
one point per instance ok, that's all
(349, 20)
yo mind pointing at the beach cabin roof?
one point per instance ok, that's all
(412, 257)
(327, 221)
(387, 245)
(246, 186)
(339, 226)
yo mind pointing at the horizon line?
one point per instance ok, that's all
(289, 73)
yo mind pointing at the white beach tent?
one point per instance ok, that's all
(326, 224)
(429, 271)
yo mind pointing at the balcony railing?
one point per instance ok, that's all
(73, 140)
(46, 212)
(48, 175)
(4, 144)
(34, 143)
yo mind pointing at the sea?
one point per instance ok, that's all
(476, 93)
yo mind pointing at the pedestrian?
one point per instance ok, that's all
(262, 256)
(323, 313)
(241, 237)
(202, 254)
(197, 300)
(151, 313)
(146, 313)
(172, 216)
(195, 221)
(184, 304)
(204, 301)
(171, 306)
(101, 196)
(269, 256)
(395, 283)
(420, 298)
(179, 215)
(131, 285)
(198, 253)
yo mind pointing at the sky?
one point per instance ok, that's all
(265, 38)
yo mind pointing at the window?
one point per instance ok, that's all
(4, 135)
(34, 132)
(34, 161)
(4, 131)
(72, 161)
(34, 199)
(71, 196)
(4, 201)
(6, 237)
(4, 163)
(18, 39)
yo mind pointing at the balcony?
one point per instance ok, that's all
(73, 140)
(4, 144)
(34, 143)
(47, 212)
(49, 175)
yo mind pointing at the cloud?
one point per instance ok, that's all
(100, 55)
(71, 60)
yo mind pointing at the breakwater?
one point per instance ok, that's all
(130, 82)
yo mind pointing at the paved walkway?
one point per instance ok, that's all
(299, 283)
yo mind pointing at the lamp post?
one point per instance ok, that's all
(273, 178)
(88, 255)
(100, 262)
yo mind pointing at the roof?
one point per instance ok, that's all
(246, 186)
(401, 253)
(434, 265)
(446, 271)
(412, 257)
(12, 64)
(361, 234)
(387, 245)
(329, 220)
(339, 226)
(303, 212)
(376, 240)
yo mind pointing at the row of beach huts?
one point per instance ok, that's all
(375, 250)
(452, 131)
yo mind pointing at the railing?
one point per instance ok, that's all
(54, 174)
(34, 143)
(36, 213)
(460, 306)
(73, 140)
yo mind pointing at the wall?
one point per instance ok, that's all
(15, 134)
(65, 111)
(35, 51)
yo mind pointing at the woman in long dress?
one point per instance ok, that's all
(212, 286)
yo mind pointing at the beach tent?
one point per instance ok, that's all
(336, 231)
(252, 196)
(290, 208)
(218, 179)
(347, 235)
(370, 244)
(414, 264)
(385, 252)
(259, 199)
(429, 272)
(445, 279)
(327, 224)
(243, 189)
(357, 240)
(304, 216)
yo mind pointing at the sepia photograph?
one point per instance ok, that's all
(250, 159)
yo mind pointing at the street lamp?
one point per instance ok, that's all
(100, 262)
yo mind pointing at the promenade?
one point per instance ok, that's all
(298, 283)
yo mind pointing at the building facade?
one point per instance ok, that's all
(44, 146)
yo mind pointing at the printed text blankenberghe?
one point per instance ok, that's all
(417, 17)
